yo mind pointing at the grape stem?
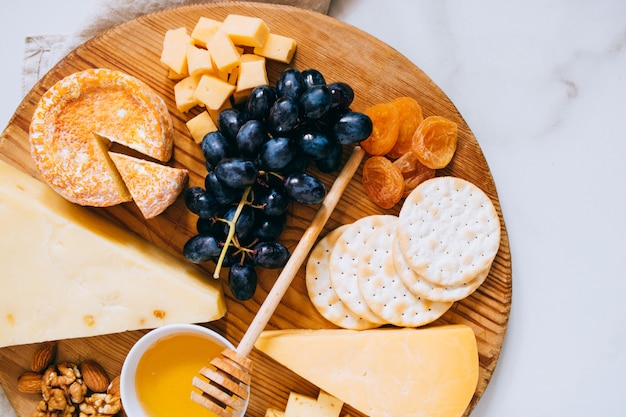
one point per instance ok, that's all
(231, 232)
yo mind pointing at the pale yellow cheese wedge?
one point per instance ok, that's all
(384, 372)
(68, 273)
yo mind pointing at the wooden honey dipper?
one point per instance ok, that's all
(224, 390)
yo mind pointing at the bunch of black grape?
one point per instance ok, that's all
(256, 165)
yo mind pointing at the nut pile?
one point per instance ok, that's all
(68, 389)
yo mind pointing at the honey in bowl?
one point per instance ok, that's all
(157, 373)
(164, 374)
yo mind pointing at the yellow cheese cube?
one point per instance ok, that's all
(175, 76)
(223, 51)
(328, 405)
(214, 113)
(174, 53)
(241, 96)
(271, 412)
(250, 57)
(233, 76)
(245, 30)
(213, 92)
(204, 30)
(184, 94)
(278, 48)
(200, 125)
(299, 405)
(199, 61)
(252, 73)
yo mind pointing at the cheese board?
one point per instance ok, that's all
(341, 52)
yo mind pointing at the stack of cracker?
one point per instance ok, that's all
(406, 270)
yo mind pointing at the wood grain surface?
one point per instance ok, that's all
(341, 52)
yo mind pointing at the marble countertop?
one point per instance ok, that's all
(543, 87)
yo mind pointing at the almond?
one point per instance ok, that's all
(94, 376)
(43, 356)
(29, 383)
(114, 387)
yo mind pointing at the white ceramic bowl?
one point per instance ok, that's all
(131, 404)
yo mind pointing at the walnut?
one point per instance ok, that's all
(64, 394)
(67, 374)
(48, 377)
(77, 391)
(57, 400)
(102, 404)
(56, 407)
(41, 410)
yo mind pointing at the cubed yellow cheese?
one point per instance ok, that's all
(184, 94)
(233, 76)
(299, 405)
(223, 52)
(328, 405)
(200, 125)
(246, 30)
(67, 272)
(250, 57)
(174, 53)
(204, 30)
(252, 73)
(278, 48)
(241, 96)
(199, 61)
(214, 113)
(272, 412)
(429, 371)
(213, 92)
(175, 76)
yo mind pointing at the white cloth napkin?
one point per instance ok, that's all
(42, 52)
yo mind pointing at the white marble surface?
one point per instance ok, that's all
(543, 87)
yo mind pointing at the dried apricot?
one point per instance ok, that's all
(385, 127)
(434, 141)
(382, 181)
(411, 116)
(413, 171)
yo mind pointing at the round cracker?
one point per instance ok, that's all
(423, 288)
(383, 290)
(449, 231)
(321, 291)
(344, 260)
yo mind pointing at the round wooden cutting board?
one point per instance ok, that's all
(341, 52)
